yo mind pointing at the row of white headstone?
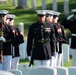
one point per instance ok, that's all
(26, 70)
(1, 1)
(23, 3)
(52, 71)
(41, 70)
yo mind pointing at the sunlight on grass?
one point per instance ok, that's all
(28, 16)
(70, 63)
(66, 64)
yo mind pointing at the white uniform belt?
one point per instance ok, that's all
(73, 34)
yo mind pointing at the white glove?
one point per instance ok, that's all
(2, 39)
(29, 58)
(70, 16)
(52, 57)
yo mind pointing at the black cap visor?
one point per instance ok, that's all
(47, 15)
(41, 15)
(54, 16)
(2, 15)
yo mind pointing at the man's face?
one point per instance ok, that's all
(41, 18)
(49, 18)
(4, 18)
(55, 19)
(11, 22)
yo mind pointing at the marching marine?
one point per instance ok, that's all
(18, 39)
(70, 23)
(8, 35)
(60, 35)
(41, 40)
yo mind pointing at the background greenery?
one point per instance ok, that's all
(28, 16)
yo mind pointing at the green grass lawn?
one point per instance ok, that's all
(70, 63)
(24, 61)
(28, 16)
(66, 64)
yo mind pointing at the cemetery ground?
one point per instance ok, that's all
(66, 64)
(28, 16)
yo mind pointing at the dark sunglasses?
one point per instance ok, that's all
(54, 16)
(47, 15)
(10, 19)
(2, 15)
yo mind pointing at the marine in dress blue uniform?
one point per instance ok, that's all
(2, 39)
(71, 25)
(41, 41)
(7, 34)
(60, 34)
(16, 42)
(49, 19)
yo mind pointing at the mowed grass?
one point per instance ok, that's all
(70, 63)
(66, 64)
(29, 16)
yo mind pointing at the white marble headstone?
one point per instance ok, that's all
(43, 4)
(22, 49)
(42, 71)
(24, 68)
(70, 51)
(71, 70)
(65, 53)
(62, 71)
(16, 72)
(5, 73)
